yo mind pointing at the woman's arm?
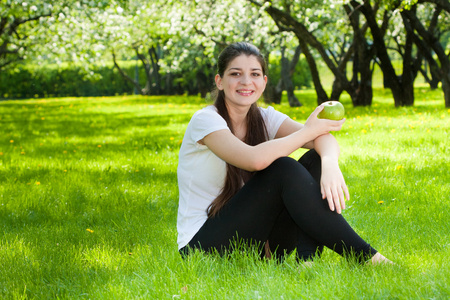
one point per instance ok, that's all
(332, 182)
(290, 126)
(253, 158)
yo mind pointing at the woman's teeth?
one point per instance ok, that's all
(245, 92)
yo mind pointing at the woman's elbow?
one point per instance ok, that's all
(258, 164)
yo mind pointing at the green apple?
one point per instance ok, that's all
(332, 110)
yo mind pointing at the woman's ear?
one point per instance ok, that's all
(218, 80)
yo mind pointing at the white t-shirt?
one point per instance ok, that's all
(201, 174)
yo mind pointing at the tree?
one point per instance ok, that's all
(402, 86)
(44, 29)
(428, 41)
(320, 27)
(19, 24)
(212, 25)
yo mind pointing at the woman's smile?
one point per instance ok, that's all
(245, 92)
(243, 82)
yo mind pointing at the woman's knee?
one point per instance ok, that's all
(312, 161)
(310, 157)
(283, 165)
(285, 169)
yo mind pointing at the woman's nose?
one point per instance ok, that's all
(245, 79)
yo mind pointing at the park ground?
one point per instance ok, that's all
(88, 203)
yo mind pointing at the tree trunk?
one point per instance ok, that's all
(320, 92)
(362, 58)
(409, 74)
(401, 95)
(286, 81)
(148, 84)
(433, 42)
(126, 77)
(154, 58)
(202, 80)
(269, 92)
(446, 89)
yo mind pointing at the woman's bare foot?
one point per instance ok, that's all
(379, 259)
(307, 264)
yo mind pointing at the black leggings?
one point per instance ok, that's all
(282, 204)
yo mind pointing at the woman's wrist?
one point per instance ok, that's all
(330, 159)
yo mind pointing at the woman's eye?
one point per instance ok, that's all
(256, 74)
(235, 74)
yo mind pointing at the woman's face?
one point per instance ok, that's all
(243, 81)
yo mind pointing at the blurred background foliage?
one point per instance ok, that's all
(100, 48)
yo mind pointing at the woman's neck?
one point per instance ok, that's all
(238, 118)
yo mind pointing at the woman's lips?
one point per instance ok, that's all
(245, 92)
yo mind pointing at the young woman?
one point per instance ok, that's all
(237, 183)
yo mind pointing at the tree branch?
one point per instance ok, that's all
(124, 75)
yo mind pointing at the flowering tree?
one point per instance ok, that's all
(19, 28)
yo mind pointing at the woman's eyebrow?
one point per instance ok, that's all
(240, 69)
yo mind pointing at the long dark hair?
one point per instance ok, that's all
(256, 128)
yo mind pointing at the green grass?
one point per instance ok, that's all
(88, 202)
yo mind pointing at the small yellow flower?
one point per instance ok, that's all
(364, 131)
(65, 171)
(136, 171)
(99, 146)
(38, 183)
(90, 230)
(22, 153)
(172, 138)
(43, 118)
(1, 153)
(393, 130)
(11, 141)
(65, 152)
(398, 168)
(380, 202)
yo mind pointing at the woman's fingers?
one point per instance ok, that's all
(336, 197)
(327, 194)
(316, 112)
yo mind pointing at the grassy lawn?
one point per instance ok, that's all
(88, 203)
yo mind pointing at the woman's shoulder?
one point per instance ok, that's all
(270, 113)
(209, 110)
(206, 117)
(266, 110)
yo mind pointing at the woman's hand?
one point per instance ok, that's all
(332, 185)
(318, 127)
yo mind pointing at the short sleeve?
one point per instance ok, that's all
(273, 120)
(204, 122)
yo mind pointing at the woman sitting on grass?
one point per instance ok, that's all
(237, 182)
